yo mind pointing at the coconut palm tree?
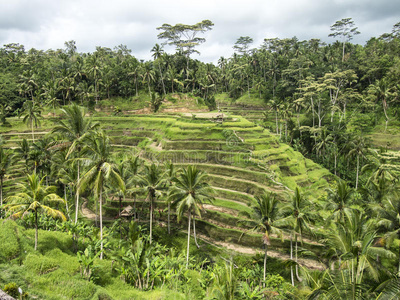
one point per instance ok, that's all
(354, 242)
(152, 182)
(188, 194)
(170, 174)
(388, 222)
(298, 219)
(339, 201)
(72, 129)
(31, 113)
(158, 55)
(97, 156)
(22, 152)
(265, 216)
(34, 198)
(359, 148)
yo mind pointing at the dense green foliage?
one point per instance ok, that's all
(304, 102)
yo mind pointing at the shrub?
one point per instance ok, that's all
(11, 289)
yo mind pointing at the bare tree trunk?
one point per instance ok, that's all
(358, 167)
(66, 202)
(297, 267)
(291, 258)
(265, 264)
(151, 219)
(169, 218)
(77, 195)
(1, 191)
(188, 241)
(101, 223)
(194, 232)
(36, 231)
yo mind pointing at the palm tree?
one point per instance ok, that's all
(31, 114)
(6, 160)
(97, 153)
(22, 152)
(34, 198)
(354, 242)
(157, 55)
(298, 219)
(359, 149)
(388, 221)
(73, 128)
(188, 193)
(170, 174)
(148, 75)
(151, 181)
(339, 199)
(265, 214)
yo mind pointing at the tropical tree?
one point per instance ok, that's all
(73, 129)
(152, 182)
(97, 156)
(298, 219)
(354, 242)
(266, 216)
(22, 151)
(345, 28)
(188, 194)
(388, 222)
(339, 201)
(359, 148)
(31, 113)
(157, 55)
(34, 198)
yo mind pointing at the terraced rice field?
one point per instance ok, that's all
(241, 158)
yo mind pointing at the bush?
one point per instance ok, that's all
(11, 289)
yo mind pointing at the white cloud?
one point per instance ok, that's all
(45, 24)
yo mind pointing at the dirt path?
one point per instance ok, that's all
(308, 263)
(87, 213)
(232, 212)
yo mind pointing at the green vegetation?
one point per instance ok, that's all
(287, 195)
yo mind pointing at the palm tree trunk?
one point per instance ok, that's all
(77, 197)
(358, 166)
(188, 241)
(101, 223)
(291, 258)
(297, 267)
(162, 79)
(194, 232)
(66, 203)
(151, 218)
(33, 135)
(398, 274)
(36, 230)
(265, 263)
(169, 218)
(1, 191)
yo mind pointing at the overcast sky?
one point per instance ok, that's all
(47, 24)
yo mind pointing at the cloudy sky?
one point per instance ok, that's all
(47, 24)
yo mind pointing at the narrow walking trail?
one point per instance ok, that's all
(308, 263)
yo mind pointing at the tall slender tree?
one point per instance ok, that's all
(73, 129)
(188, 194)
(34, 198)
(97, 155)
